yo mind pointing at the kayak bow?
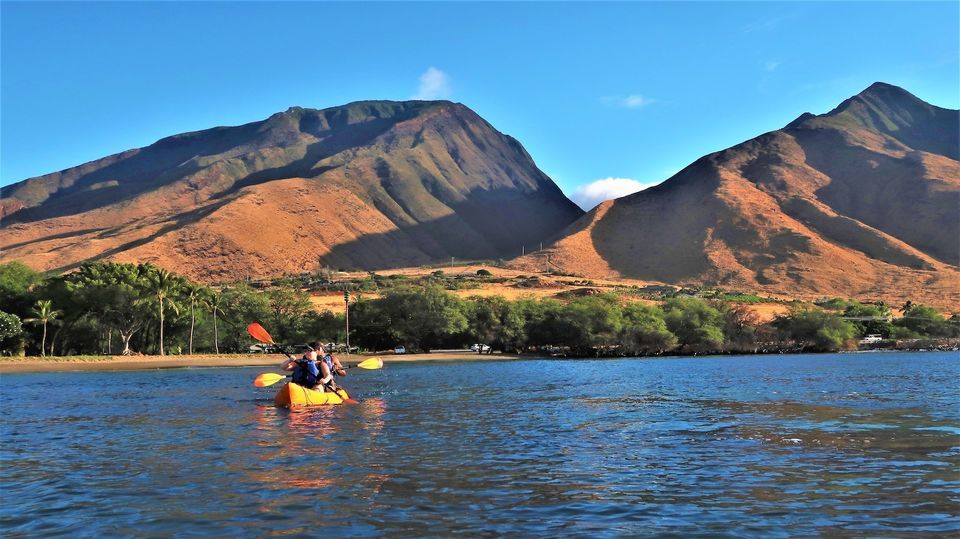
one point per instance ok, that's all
(292, 395)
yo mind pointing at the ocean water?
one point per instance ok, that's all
(843, 445)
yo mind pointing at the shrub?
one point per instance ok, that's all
(697, 325)
(11, 334)
(644, 330)
(927, 322)
(814, 329)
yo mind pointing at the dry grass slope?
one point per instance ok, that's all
(368, 185)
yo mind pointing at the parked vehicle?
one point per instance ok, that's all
(340, 348)
(399, 350)
(480, 347)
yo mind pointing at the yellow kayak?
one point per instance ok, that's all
(292, 394)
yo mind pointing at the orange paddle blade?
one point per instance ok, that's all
(346, 398)
(268, 379)
(372, 363)
(257, 332)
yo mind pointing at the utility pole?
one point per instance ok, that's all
(346, 301)
(523, 250)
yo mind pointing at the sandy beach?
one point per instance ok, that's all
(133, 363)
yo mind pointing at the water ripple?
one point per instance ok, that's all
(772, 447)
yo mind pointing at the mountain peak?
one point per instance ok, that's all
(800, 119)
(881, 86)
(896, 113)
(369, 184)
(861, 202)
(888, 94)
(879, 107)
(879, 96)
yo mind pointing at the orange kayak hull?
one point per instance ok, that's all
(292, 395)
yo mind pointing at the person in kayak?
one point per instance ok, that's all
(333, 364)
(310, 371)
(329, 367)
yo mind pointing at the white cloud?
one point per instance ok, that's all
(632, 101)
(636, 101)
(434, 84)
(771, 65)
(589, 195)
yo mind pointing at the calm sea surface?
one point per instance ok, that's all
(843, 445)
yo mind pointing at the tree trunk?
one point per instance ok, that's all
(109, 342)
(126, 342)
(192, 318)
(161, 326)
(43, 340)
(216, 344)
(53, 340)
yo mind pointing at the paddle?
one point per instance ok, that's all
(259, 333)
(269, 378)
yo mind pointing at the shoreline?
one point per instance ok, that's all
(34, 364)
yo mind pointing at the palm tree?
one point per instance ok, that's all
(43, 313)
(196, 295)
(163, 286)
(214, 301)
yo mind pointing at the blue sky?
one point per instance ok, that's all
(593, 91)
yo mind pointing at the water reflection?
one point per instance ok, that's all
(824, 445)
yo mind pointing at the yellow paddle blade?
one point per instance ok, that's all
(372, 363)
(257, 332)
(268, 379)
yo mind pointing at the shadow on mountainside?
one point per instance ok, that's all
(175, 159)
(892, 196)
(125, 177)
(672, 244)
(172, 224)
(51, 237)
(490, 225)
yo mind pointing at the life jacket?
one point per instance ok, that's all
(306, 373)
(328, 359)
(334, 370)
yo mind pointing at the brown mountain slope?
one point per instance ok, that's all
(367, 185)
(863, 201)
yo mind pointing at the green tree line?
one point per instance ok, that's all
(110, 308)
(429, 318)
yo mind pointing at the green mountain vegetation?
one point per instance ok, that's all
(109, 308)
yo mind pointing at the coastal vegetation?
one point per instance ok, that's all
(112, 308)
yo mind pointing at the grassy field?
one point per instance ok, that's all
(463, 281)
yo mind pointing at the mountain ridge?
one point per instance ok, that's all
(434, 177)
(831, 204)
